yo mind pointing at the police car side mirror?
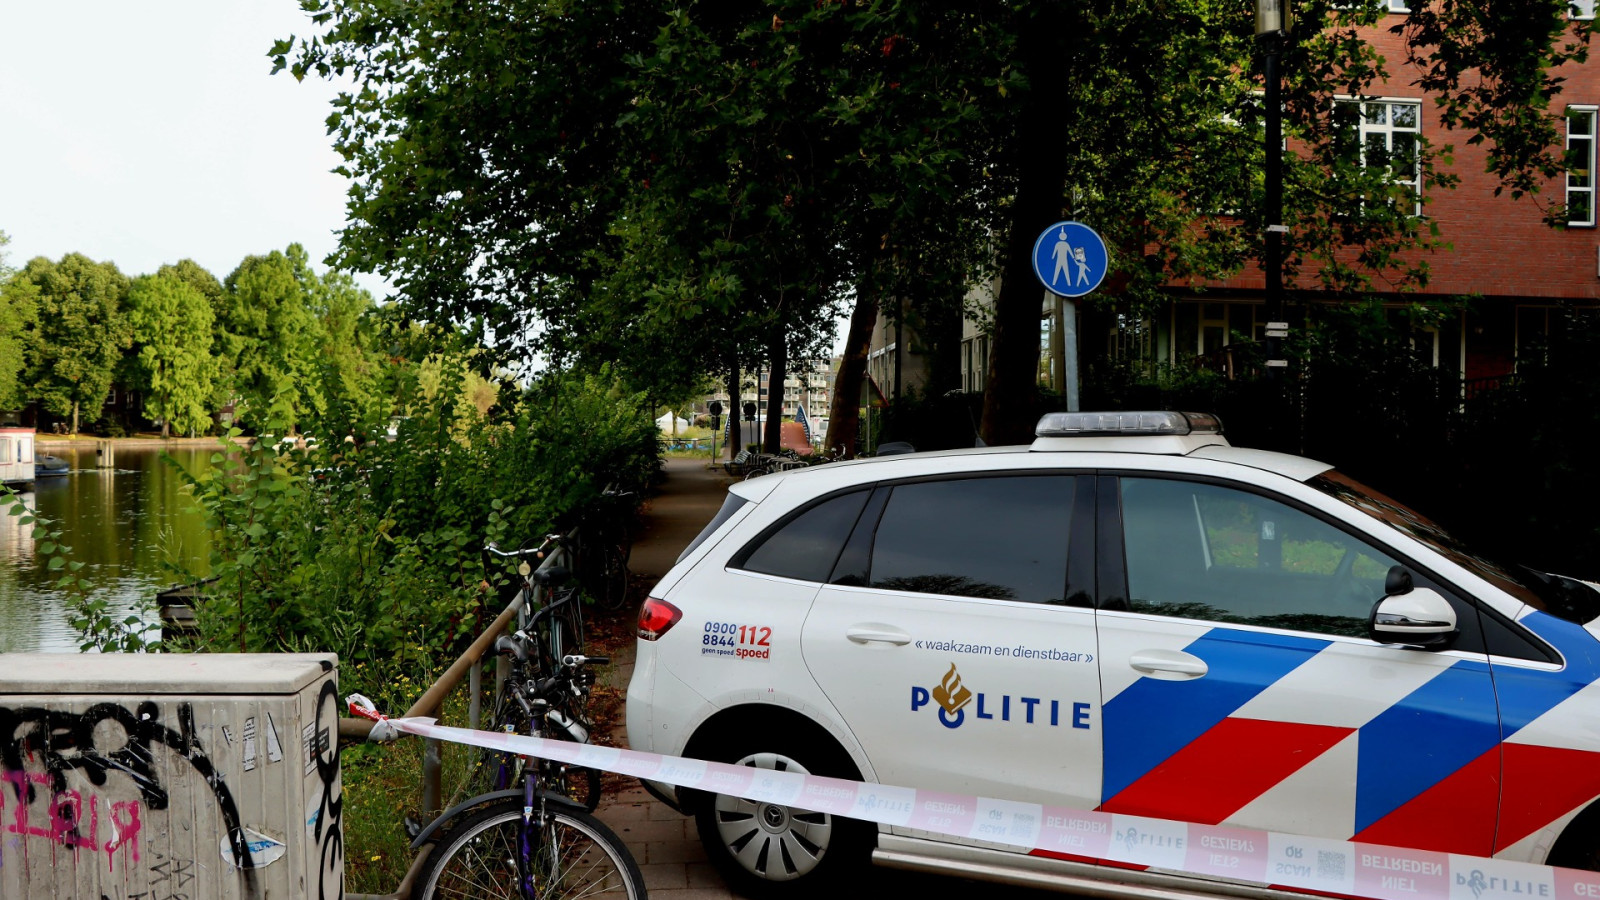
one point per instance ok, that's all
(1420, 617)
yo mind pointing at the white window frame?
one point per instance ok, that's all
(1580, 9)
(1593, 114)
(1364, 127)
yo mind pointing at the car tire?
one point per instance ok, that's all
(1578, 847)
(766, 850)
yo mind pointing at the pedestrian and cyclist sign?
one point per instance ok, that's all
(1070, 259)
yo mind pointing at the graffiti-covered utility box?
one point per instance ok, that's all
(169, 777)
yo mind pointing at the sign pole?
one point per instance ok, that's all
(1069, 341)
(1070, 260)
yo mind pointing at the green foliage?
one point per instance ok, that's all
(196, 276)
(170, 322)
(18, 304)
(349, 370)
(1506, 466)
(622, 178)
(270, 336)
(81, 332)
(372, 549)
(1526, 487)
(295, 349)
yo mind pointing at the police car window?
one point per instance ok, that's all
(807, 545)
(1203, 551)
(1560, 596)
(1004, 538)
(729, 507)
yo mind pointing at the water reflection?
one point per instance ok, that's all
(129, 526)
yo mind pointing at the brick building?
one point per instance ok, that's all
(1503, 254)
(1515, 268)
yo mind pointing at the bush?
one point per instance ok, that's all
(372, 549)
(1506, 470)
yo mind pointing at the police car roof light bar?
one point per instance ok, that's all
(1097, 424)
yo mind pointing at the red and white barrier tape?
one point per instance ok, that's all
(1295, 862)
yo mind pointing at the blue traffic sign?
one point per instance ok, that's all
(1070, 259)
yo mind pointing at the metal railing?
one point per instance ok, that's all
(469, 665)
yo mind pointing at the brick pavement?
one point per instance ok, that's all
(662, 841)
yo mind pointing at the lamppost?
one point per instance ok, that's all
(1273, 21)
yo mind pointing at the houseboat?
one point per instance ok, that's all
(16, 456)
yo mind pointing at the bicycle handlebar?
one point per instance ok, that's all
(538, 551)
(574, 661)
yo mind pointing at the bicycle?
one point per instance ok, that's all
(530, 841)
(560, 697)
(603, 551)
(556, 628)
(547, 665)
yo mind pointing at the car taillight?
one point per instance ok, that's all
(656, 617)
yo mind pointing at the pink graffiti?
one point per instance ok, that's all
(20, 781)
(66, 817)
(124, 830)
(64, 829)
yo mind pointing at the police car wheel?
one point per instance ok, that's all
(1579, 844)
(769, 850)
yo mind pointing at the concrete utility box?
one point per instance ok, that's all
(170, 777)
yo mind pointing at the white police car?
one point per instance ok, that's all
(1129, 616)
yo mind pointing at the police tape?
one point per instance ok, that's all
(1288, 861)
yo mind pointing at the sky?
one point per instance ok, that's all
(145, 133)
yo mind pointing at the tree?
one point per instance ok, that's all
(618, 178)
(170, 323)
(347, 370)
(199, 278)
(272, 338)
(81, 333)
(641, 217)
(18, 300)
(1161, 105)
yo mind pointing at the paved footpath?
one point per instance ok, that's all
(663, 841)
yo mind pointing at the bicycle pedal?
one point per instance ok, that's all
(413, 828)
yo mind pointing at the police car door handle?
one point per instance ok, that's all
(877, 634)
(1172, 665)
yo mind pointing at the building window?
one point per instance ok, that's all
(1580, 166)
(1580, 9)
(1388, 131)
(1398, 6)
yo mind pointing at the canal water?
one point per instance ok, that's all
(130, 526)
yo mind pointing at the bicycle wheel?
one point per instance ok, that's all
(613, 582)
(478, 858)
(579, 784)
(562, 635)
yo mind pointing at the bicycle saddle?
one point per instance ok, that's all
(552, 576)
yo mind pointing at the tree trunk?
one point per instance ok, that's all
(1042, 133)
(735, 407)
(844, 410)
(74, 416)
(778, 353)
